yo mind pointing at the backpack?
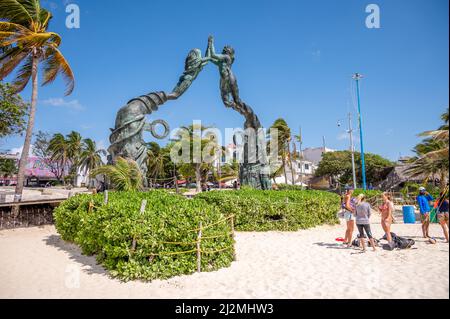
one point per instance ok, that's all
(399, 242)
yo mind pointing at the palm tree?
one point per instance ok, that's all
(157, 161)
(90, 156)
(58, 148)
(199, 168)
(284, 140)
(432, 154)
(440, 135)
(25, 43)
(74, 148)
(124, 175)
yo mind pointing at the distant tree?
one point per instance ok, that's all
(432, 154)
(41, 143)
(160, 167)
(338, 166)
(284, 140)
(8, 167)
(12, 111)
(41, 149)
(90, 157)
(25, 43)
(200, 169)
(74, 149)
(58, 149)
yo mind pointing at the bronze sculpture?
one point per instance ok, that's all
(127, 136)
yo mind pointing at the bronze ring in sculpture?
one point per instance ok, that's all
(153, 130)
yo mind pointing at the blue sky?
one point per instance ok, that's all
(294, 59)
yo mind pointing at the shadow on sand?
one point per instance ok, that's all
(89, 263)
(333, 245)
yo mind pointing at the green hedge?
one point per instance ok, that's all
(108, 232)
(288, 187)
(257, 210)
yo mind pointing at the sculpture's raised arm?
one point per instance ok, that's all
(211, 52)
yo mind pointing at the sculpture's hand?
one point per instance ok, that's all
(210, 39)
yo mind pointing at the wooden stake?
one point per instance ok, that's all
(105, 199)
(199, 252)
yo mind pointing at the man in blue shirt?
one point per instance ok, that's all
(423, 200)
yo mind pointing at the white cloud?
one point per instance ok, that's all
(60, 102)
(18, 150)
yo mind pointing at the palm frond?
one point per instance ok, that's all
(9, 64)
(439, 135)
(54, 64)
(23, 75)
(16, 11)
(125, 174)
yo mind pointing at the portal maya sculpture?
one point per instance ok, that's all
(127, 136)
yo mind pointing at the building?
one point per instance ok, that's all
(40, 171)
(314, 154)
(302, 171)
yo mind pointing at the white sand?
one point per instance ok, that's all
(36, 263)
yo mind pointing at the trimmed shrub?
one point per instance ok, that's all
(288, 187)
(134, 245)
(257, 210)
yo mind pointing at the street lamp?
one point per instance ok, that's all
(358, 77)
(352, 148)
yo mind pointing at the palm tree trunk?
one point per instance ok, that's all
(28, 135)
(198, 177)
(290, 164)
(283, 160)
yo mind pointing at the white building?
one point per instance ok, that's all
(314, 154)
(302, 171)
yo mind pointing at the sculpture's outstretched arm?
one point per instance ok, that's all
(211, 52)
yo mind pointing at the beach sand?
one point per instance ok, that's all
(36, 263)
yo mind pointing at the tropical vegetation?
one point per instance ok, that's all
(338, 166)
(197, 168)
(13, 111)
(155, 243)
(284, 151)
(124, 174)
(8, 167)
(25, 43)
(67, 155)
(257, 210)
(432, 157)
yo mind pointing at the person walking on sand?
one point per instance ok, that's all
(363, 222)
(387, 210)
(348, 204)
(442, 214)
(423, 200)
